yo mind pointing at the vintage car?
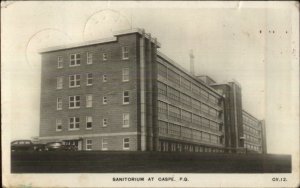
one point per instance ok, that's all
(60, 146)
(26, 145)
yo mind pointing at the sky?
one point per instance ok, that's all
(255, 45)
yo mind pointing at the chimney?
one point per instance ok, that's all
(192, 68)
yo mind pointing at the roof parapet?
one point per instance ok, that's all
(104, 40)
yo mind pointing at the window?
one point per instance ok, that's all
(173, 94)
(185, 99)
(104, 56)
(125, 97)
(204, 94)
(205, 122)
(196, 135)
(126, 144)
(162, 71)
(89, 101)
(104, 100)
(74, 123)
(104, 78)
(173, 77)
(58, 125)
(60, 62)
(89, 122)
(89, 144)
(196, 105)
(185, 83)
(104, 143)
(174, 113)
(89, 79)
(59, 82)
(74, 102)
(205, 136)
(186, 132)
(162, 109)
(162, 89)
(214, 139)
(74, 60)
(126, 120)
(89, 58)
(204, 108)
(125, 52)
(162, 127)
(174, 129)
(74, 80)
(105, 122)
(125, 74)
(59, 103)
(196, 119)
(186, 116)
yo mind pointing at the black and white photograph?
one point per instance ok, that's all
(150, 93)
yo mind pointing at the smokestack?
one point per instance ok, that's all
(192, 68)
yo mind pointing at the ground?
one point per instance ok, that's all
(147, 162)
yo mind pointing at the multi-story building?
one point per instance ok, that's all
(254, 130)
(122, 94)
(242, 130)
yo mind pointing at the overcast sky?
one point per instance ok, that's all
(254, 46)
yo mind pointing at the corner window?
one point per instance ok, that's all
(89, 58)
(125, 52)
(125, 97)
(58, 125)
(89, 79)
(89, 101)
(126, 118)
(104, 78)
(104, 56)
(105, 122)
(74, 80)
(104, 100)
(89, 144)
(89, 122)
(60, 62)
(74, 102)
(59, 82)
(126, 143)
(125, 74)
(74, 123)
(59, 103)
(75, 60)
(104, 144)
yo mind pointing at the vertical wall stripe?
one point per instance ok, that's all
(142, 87)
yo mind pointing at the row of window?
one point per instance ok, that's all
(252, 147)
(250, 121)
(251, 138)
(75, 101)
(178, 147)
(187, 101)
(74, 122)
(104, 144)
(184, 83)
(75, 80)
(251, 130)
(179, 115)
(76, 59)
(186, 133)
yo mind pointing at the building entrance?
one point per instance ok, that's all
(77, 143)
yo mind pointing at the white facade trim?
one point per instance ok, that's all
(66, 137)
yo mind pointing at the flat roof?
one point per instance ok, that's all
(245, 112)
(101, 41)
